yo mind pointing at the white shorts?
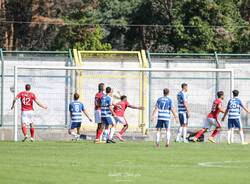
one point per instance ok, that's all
(27, 117)
(98, 116)
(121, 120)
(211, 122)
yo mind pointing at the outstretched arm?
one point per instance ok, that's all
(136, 107)
(40, 104)
(225, 114)
(245, 109)
(87, 114)
(13, 103)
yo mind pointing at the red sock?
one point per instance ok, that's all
(122, 132)
(24, 129)
(215, 132)
(32, 132)
(98, 134)
(199, 133)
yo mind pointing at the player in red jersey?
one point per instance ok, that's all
(98, 97)
(27, 99)
(212, 118)
(119, 110)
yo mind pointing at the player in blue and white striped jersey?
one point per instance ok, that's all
(107, 116)
(183, 112)
(164, 106)
(234, 121)
(76, 108)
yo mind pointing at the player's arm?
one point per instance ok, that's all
(225, 114)
(187, 108)
(40, 104)
(154, 112)
(244, 108)
(13, 103)
(174, 114)
(221, 109)
(136, 107)
(87, 115)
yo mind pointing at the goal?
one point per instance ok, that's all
(55, 87)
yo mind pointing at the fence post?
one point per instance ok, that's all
(2, 86)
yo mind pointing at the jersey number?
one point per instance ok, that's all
(26, 101)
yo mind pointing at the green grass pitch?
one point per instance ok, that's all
(130, 162)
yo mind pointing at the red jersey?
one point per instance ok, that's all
(215, 109)
(120, 108)
(27, 99)
(98, 98)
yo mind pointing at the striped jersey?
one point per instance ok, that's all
(234, 106)
(164, 105)
(76, 108)
(106, 102)
(181, 98)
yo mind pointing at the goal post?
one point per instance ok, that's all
(126, 81)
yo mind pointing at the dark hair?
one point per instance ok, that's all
(101, 87)
(220, 94)
(27, 87)
(236, 93)
(76, 96)
(123, 97)
(108, 90)
(183, 85)
(166, 91)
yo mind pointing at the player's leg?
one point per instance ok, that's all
(159, 126)
(112, 128)
(229, 132)
(24, 125)
(217, 124)
(73, 130)
(168, 133)
(99, 130)
(32, 132)
(180, 129)
(184, 128)
(207, 125)
(123, 121)
(106, 128)
(237, 124)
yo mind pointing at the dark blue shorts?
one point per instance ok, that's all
(183, 118)
(75, 125)
(163, 124)
(109, 120)
(234, 123)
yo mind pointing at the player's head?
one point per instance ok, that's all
(184, 86)
(220, 94)
(101, 87)
(27, 87)
(76, 96)
(165, 92)
(109, 90)
(235, 93)
(123, 98)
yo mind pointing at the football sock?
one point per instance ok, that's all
(232, 135)
(242, 136)
(112, 132)
(24, 129)
(179, 133)
(106, 134)
(123, 130)
(99, 133)
(229, 136)
(184, 133)
(200, 133)
(74, 135)
(32, 132)
(215, 132)
(158, 135)
(168, 137)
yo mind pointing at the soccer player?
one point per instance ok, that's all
(119, 110)
(98, 97)
(183, 112)
(233, 110)
(212, 118)
(76, 108)
(27, 98)
(107, 116)
(164, 106)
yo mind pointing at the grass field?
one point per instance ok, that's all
(131, 162)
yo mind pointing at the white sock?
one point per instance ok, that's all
(112, 132)
(232, 135)
(229, 136)
(184, 133)
(179, 134)
(73, 134)
(105, 134)
(158, 136)
(168, 135)
(242, 136)
(101, 136)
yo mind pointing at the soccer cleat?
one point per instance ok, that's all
(119, 137)
(177, 140)
(244, 143)
(157, 145)
(167, 145)
(32, 139)
(185, 141)
(195, 139)
(211, 139)
(110, 141)
(25, 138)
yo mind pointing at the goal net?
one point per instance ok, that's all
(55, 86)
